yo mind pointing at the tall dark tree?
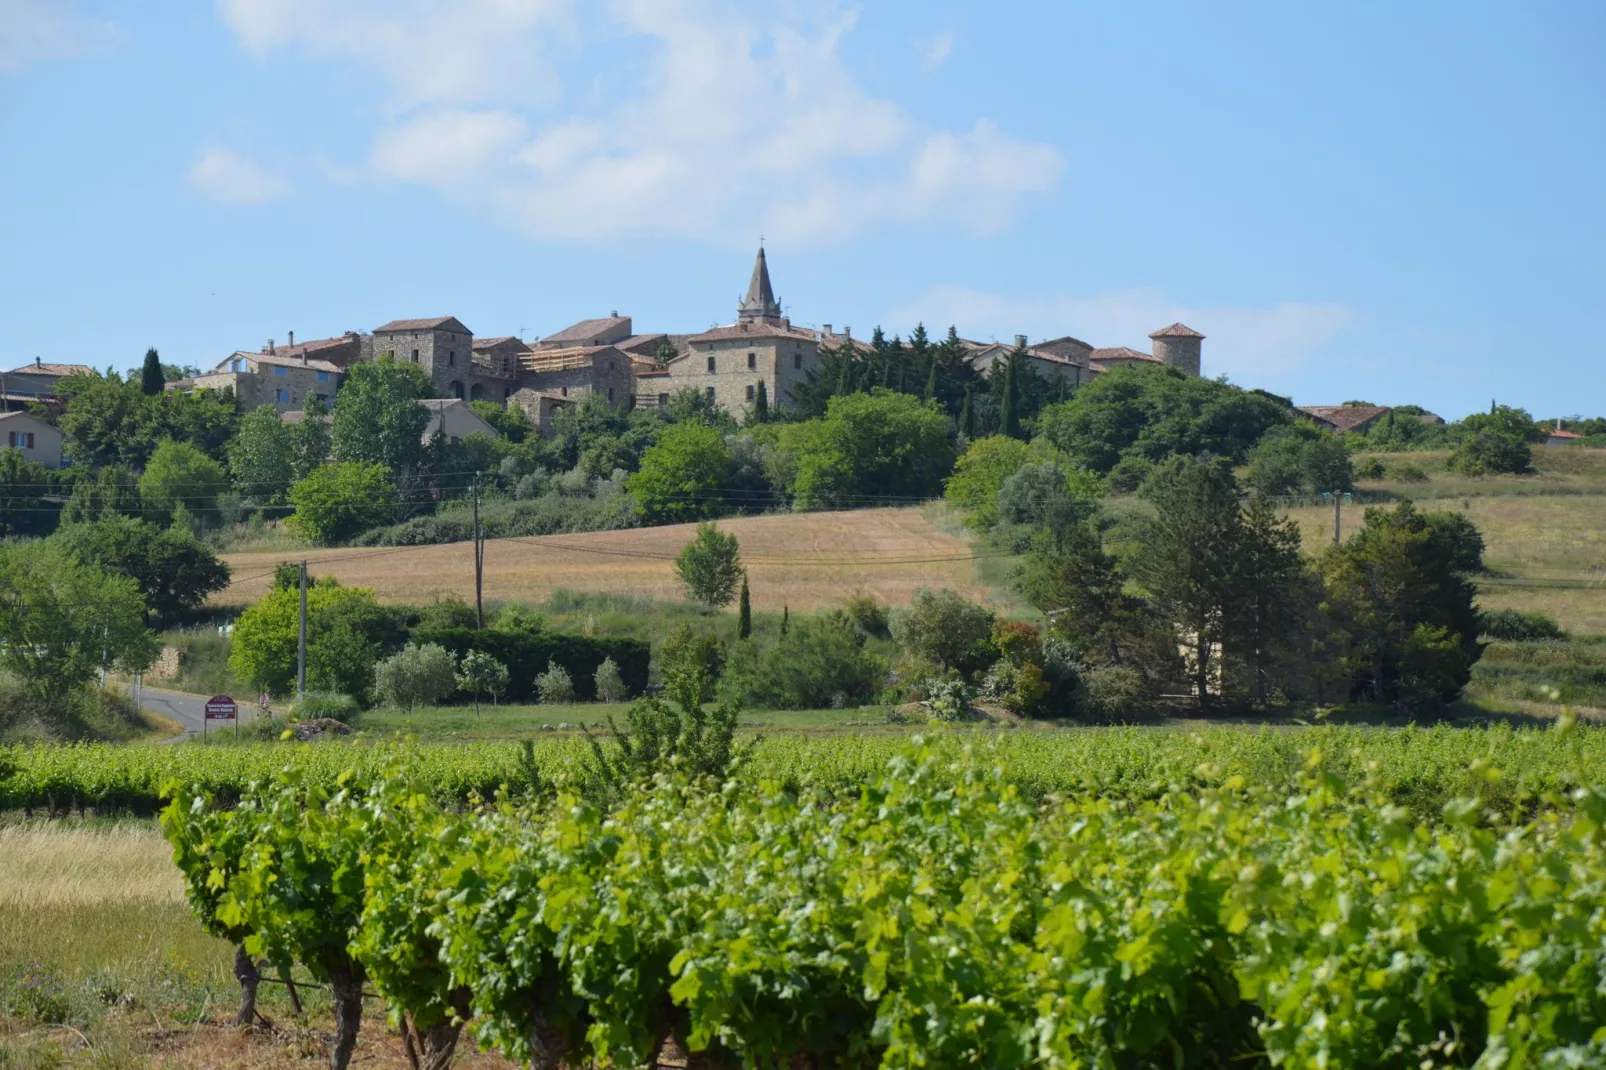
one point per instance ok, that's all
(744, 614)
(151, 379)
(1009, 418)
(761, 404)
(967, 417)
(1271, 575)
(1189, 562)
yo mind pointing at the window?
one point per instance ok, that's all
(563, 390)
(797, 360)
(322, 397)
(415, 356)
(323, 377)
(710, 365)
(282, 396)
(752, 361)
(710, 393)
(663, 399)
(11, 439)
(610, 393)
(237, 366)
(281, 371)
(749, 392)
(451, 358)
(29, 443)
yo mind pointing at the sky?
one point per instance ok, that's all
(1365, 201)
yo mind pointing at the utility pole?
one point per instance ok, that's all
(301, 638)
(479, 559)
(1338, 513)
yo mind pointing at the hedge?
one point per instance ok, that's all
(528, 654)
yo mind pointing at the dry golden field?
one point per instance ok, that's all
(1546, 554)
(805, 561)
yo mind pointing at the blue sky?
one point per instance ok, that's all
(1379, 201)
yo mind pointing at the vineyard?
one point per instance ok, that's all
(1271, 905)
(1422, 768)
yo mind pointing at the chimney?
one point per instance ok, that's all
(39, 362)
(1020, 341)
(270, 346)
(847, 332)
(292, 340)
(827, 329)
(614, 313)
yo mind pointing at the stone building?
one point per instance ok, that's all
(728, 363)
(270, 378)
(441, 346)
(1064, 359)
(451, 417)
(39, 379)
(541, 406)
(1177, 346)
(575, 372)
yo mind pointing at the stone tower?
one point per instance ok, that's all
(760, 305)
(1178, 346)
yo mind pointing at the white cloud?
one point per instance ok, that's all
(1261, 344)
(937, 50)
(698, 118)
(225, 176)
(33, 31)
(430, 51)
(454, 148)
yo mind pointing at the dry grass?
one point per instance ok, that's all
(1529, 541)
(804, 561)
(43, 865)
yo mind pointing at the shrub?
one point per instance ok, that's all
(1405, 472)
(1514, 626)
(1016, 686)
(416, 675)
(978, 474)
(948, 699)
(528, 652)
(1115, 692)
(943, 627)
(821, 663)
(610, 685)
(868, 614)
(555, 686)
(482, 674)
(326, 704)
(1371, 468)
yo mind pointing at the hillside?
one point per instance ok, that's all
(805, 561)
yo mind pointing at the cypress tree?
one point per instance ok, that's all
(844, 385)
(761, 404)
(931, 380)
(151, 379)
(1008, 424)
(744, 617)
(786, 617)
(967, 423)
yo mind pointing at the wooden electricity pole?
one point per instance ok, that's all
(479, 559)
(301, 638)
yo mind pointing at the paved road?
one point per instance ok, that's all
(187, 710)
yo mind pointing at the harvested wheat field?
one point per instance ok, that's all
(805, 561)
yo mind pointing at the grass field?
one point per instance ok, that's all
(804, 561)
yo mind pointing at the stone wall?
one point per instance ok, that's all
(740, 364)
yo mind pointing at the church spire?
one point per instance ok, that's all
(760, 304)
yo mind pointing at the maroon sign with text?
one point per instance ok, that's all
(220, 708)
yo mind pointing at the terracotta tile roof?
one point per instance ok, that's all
(1562, 433)
(41, 368)
(585, 329)
(1176, 330)
(835, 341)
(651, 372)
(421, 325)
(1122, 353)
(492, 343)
(754, 330)
(999, 350)
(642, 343)
(1343, 417)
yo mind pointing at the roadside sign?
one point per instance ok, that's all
(220, 708)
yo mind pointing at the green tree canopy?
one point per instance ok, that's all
(346, 631)
(64, 620)
(942, 627)
(26, 492)
(377, 418)
(978, 474)
(173, 570)
(179, 478)
(262, 457)
(868, 447)
(311, 439)
(417, 676)
(1299, 459)
(1154, 412)
(109, 421)
(337, 502)
(710, 566)
(510, 421)
(680, 477)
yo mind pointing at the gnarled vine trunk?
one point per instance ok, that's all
(437, 1043)
(245, 972)
(345, 985)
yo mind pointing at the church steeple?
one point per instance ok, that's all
(760, 305)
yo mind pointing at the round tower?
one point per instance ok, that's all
(1177, 346)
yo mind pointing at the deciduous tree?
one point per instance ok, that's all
(710, 566)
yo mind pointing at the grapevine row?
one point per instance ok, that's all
(937, 917)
